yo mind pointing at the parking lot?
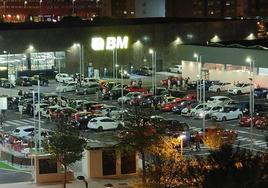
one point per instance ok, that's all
(247, 138)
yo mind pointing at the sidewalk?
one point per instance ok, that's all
(92, 183)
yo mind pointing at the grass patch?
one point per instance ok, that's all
(6, 166)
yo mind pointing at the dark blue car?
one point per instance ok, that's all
(261, 92)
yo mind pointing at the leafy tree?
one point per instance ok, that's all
(65, 145)
(140, 133)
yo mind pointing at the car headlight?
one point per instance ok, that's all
(201, 114)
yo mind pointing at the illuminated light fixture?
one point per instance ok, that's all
(178, 41)
(248, 59)
(215, 39)
(31, 47)
(151, 51)
(9, 16)
(18, 17)
(125, 12)
(190, 36)
(251, 36)
(110, 43)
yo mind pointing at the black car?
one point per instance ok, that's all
(80, 120)
(6, 83)
(114, 94)
(24, 81)
(181, 105)
(261, 92)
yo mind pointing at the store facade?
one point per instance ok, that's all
(29, 49)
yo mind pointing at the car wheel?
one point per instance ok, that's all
(224, 118)
(239, 116)
(218, 90)
(100, 129)
(239, 92)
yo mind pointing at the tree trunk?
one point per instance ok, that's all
(143, 167)
(65, 176)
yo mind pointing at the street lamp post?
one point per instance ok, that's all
(114, 63)
(198, 83)
(180, 138)
(122, 93)
(116, 66)
(251, 97)
(73, 7)
(40, 6)
(153, 53)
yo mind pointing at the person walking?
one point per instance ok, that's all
(197, 141)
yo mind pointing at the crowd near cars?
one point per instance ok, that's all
(97, 116)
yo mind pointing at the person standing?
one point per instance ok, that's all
(197, 141)
(20, 110)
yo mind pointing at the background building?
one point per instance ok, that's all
(149, 8)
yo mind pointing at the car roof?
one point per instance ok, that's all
(25, 127)
(101, 118)
(218, 97)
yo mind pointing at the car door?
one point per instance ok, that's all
(108, 123)
(215, 109)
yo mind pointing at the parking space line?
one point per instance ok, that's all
(7, 124)
(21, 122)
(245, 132)
(12, 123)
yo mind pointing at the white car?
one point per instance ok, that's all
(89, 81)
(115, 112)
(128, 97)
(240, 89)
(218, 100)
(104, 123)
(227, 113)
(23, 131)
(221, 86)
(175, 69)
(63, 78)
(207, 111)
(71, 86)
(193, 110)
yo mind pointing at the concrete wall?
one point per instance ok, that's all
(92, 164)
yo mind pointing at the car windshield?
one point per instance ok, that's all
(208, 108)
(239, 85)
(226, 109)
(129, 94)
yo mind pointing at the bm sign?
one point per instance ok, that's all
(110, 43)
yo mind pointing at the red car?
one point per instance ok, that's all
(261, 122)
(245, 120)
(168, 106)
(173, 81)
(136, 89)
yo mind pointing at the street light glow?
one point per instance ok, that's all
(248, 59)
(151, 51)
(195, 55)
(31, 47)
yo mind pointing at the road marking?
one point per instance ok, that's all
(36, 119)
(7, 124)
(12, 123)
(21, 122)
(245, 132)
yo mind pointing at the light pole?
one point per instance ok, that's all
(81, 55)
(73, 7)
(5, 52)
(198, 83)
(116, 66)
(40, 6)
(251, 97)
(114, 63)
(153, 53)
(122, 92)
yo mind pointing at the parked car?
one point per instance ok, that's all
(113, 94)
(69, 86)
(136, 89)
(42, 107)
(128, 97)
(143, 71)
(158, 90)
(23, 131)
(63, 112)
(262, 122)
(206, 112)
(6, 83)
(104, 123)
(82, 118)
(23, 81)
(112, 111)
(181, 105)
(245, 120)
(227, 113)
(221, 86)
(240, 88)
(261, 92)
(191, 110)
(225, 135)
(63, 78)
(87, 89)
(173, 81)
(89, 81)
(208, 84)
(175, 69)
(218, 100)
